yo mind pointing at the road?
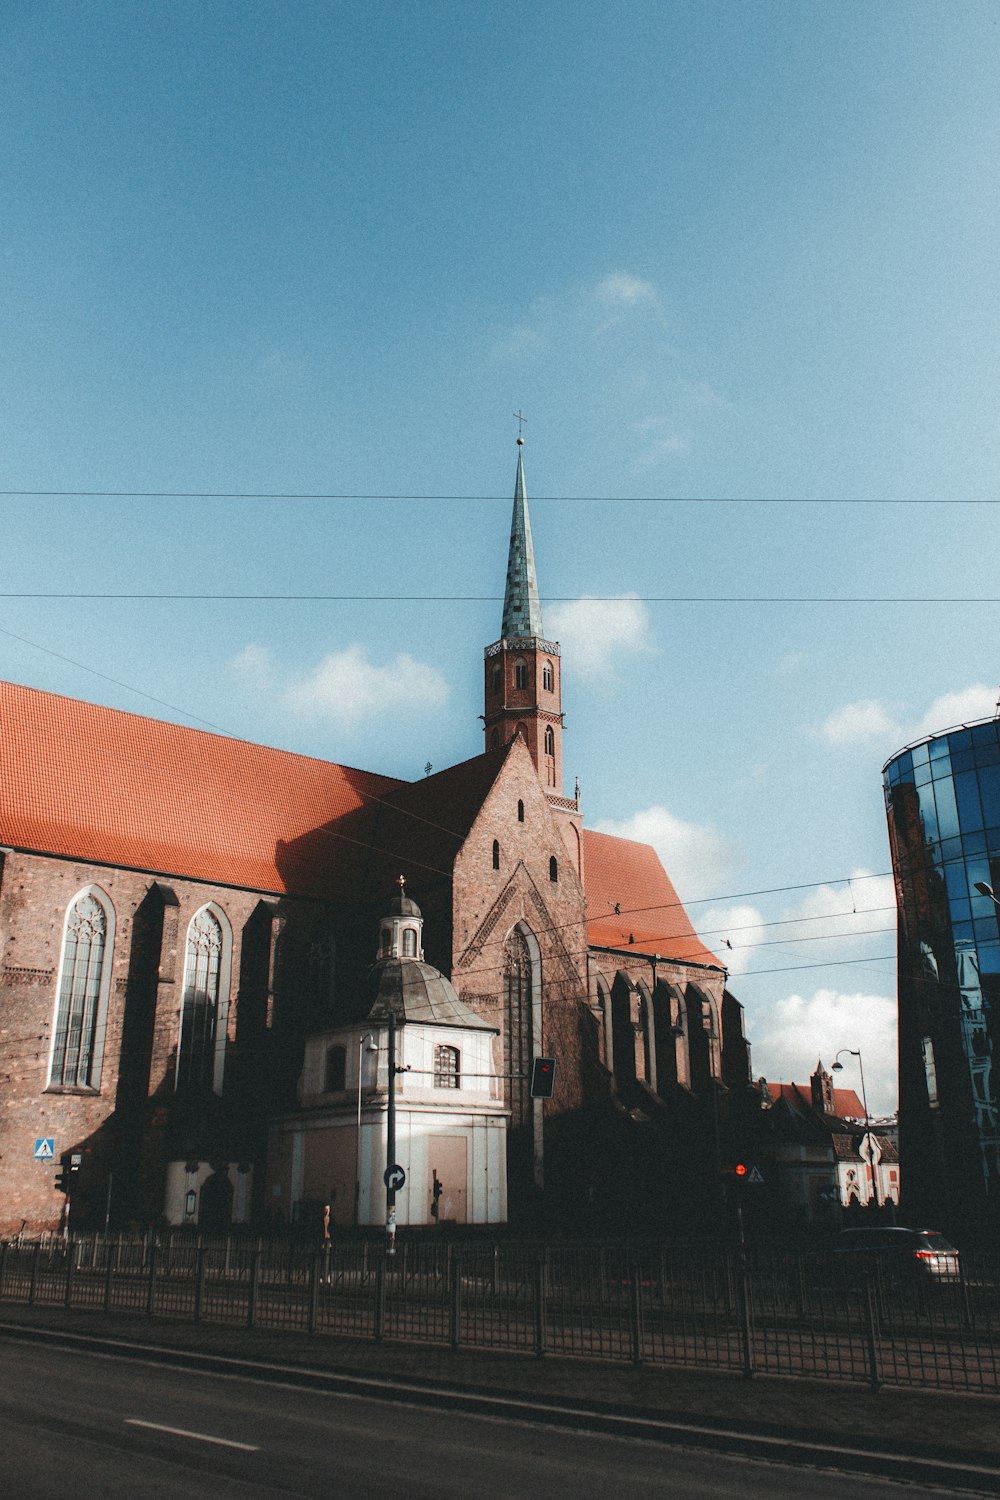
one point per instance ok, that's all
(80, 1424)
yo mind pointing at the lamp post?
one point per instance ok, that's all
(838, 1067)
(987, 891)
(367, 1043)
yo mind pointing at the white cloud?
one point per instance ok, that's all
(976, 702)
(346, 687)
(254, 665)
(619, 289)
(733, 933)
(596, 632)
(698, 859)
(518, 342)
(870, 720)
(789, 1036)
(859, 724)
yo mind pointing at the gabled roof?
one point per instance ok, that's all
(650, 918)
(846, 1104)
(115, 788)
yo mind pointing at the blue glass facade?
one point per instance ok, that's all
(943, 806)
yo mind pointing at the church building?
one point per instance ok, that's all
(202, 939)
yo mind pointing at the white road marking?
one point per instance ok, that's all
(200, 1437)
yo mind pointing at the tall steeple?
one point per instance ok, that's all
(522, 613)
(523, 690)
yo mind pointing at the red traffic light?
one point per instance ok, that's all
(740, 1169)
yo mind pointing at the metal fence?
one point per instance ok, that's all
(756, 1310)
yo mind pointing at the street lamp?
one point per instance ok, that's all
(987, 891)
(367, 1043)
(838, 1067)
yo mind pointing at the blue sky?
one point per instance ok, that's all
(720, 251)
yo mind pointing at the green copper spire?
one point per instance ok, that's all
(522, 613)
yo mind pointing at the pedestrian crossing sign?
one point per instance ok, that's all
(45, 1148)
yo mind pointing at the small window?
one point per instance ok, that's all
(547, 677)
(386, 948)
(496, 854)
(520, 673)
(497, 678)
(520, 811)
(553, 868)
(409, 943)
(495, 740)
(550, 741)
(446, 1071)
(336, 1070)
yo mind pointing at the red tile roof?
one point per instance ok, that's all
(846, 1104)
(619, 872)
(115, 788)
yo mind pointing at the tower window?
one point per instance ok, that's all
(550, 741)
(496, 854)
(520, 673)
(520, 810)
(409, 943)
(497, 678)
(547, 677)
(553, 868)
(446, 1071)
(495, 740)
(336, 1070)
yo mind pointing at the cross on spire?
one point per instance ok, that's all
(521, 418)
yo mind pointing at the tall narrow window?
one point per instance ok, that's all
(196, 1051)
(409, 943)
(446, 1069)
(520, 810)
(553, 868)
(550, 741)
(520, 673)
(336, 1070)
(497, 678)
(81, 1007)
(495, 740)
(547, 677)
(496, 854)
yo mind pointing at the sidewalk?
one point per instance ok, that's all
(913, 1424)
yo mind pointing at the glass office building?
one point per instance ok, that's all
(943, 805)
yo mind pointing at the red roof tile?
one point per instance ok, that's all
(115, 788)
(846, 1104)
(623, 873)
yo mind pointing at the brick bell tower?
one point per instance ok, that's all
(523, 690)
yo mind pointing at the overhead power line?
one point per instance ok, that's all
(411, 499)
(161, 597)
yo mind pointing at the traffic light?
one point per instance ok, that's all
(740, 1169)
(543, 1077)
(69, 1167)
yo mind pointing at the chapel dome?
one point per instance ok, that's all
(414, 991)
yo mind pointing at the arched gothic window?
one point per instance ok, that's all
(496, 854)
(409, 943)
(547, 677)
(520, 810)
(497, 678)
(446, 1068)
(82, 1002)
(495, 740)
(517, 978)
(196, 1050)
(553, 868)
(520, 673)
(550, 740)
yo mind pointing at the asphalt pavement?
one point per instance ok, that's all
(950, 1441)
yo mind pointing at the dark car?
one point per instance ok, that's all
(912, 1254)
